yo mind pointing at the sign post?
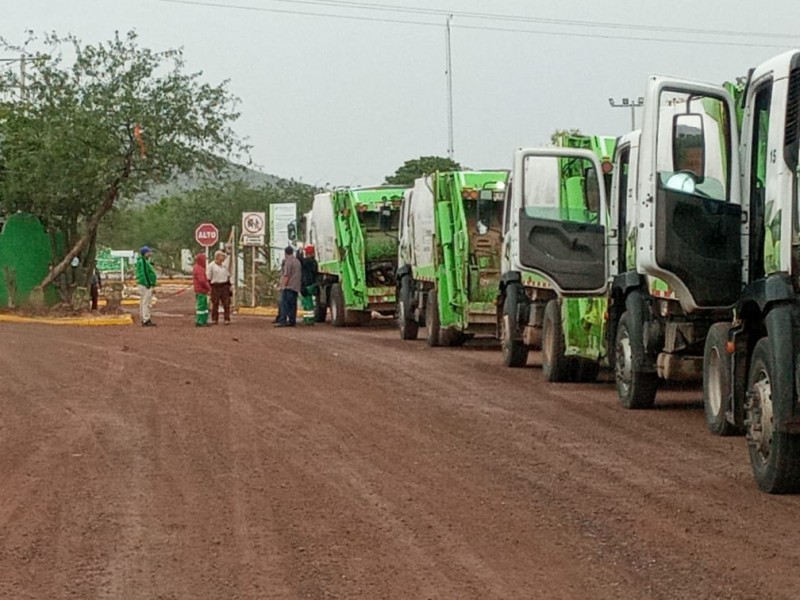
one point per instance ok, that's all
(254, 229)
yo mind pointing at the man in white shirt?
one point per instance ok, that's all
(219, 275)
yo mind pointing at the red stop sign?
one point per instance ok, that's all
(206, 234)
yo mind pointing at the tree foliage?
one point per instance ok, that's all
(168, 226)
(418, 167)
(95, 124)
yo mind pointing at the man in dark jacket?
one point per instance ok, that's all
(310, 291)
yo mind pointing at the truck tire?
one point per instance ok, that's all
(409, 328)
(338, 316)
(357, 318)
(587, 370)
(432, 319)
(717, 386)
(556, 367)
(774, 456)
(636, 388)
(451, 338)
(321, 308)
(515, 351)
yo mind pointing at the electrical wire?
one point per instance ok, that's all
(541, 20)
(483, 27)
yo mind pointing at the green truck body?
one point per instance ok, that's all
(355, 233)
(449, 256)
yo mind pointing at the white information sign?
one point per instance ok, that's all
(280, 215)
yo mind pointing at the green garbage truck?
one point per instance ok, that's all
(355, 233)
(568, 183)
(449, 256)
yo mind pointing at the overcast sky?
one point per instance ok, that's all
(339, 101)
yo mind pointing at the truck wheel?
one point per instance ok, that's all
(320, 308)
(555, 365)
(452, 338)
(774, 456)
(357, 318)
(338, 316)
(409, 328)
(588, 370)
(432, 319)
(717, 381)
(636, 389)
(515, 351)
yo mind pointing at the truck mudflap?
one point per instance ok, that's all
(783, 331)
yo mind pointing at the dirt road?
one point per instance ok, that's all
(250, 462)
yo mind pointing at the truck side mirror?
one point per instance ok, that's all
(291, 231)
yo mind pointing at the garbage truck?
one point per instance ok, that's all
(531, 312)
(355, 233)
(751, 360)
(449, 256)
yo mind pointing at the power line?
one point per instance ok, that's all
(475, 27)
(542, 20)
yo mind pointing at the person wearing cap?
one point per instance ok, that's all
(310, 273)
(219, 275)
(292, 285)
(202, 288)
(146, 278)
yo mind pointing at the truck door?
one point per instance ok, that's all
(559, 217)
(689, 209)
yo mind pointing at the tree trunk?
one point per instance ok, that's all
(91, 226)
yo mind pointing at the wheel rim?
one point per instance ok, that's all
(714, 392)
(624, 362)
(334, 312)
(761, 418)
(401, 314)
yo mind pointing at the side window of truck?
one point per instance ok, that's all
(694, 147)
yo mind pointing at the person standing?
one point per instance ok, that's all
(219, 275)
(202, 288)
(146, 278)
(292, 284)
(94, 288)
(310, 270)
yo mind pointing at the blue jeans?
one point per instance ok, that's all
(288, 312)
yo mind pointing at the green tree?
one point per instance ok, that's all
(168, 225)
(418, 167)
(96, 124)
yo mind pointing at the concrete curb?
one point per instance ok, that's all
(258, 311)
(73, 321)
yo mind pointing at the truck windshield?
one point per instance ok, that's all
(372, 220)
(561, 189)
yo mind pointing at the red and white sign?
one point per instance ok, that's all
(206, 234)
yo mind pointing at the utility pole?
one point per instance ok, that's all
(450, 136)
(632, 103)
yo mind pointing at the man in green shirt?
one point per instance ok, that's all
(146, 278)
